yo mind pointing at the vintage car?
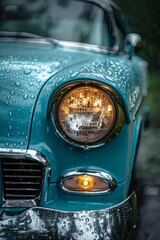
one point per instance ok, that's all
(71, 111)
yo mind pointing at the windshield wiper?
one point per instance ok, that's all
(29, 36)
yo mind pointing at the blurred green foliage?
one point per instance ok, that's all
(153, 99)
(143, 17)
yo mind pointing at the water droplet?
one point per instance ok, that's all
(87, 219)
(75, 74)
(17, 84)
(33, 236)
(49, 71)
(25, 96)
(31, 83)
(1, 75)
(10, 114)
(27, 71)
(10, 127)
(8, 97)
(10, 222)
(12, 93)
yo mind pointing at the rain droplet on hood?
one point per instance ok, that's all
(17, 84)
(10, 114)
(27, 71)
(25, 96)
(75, 74)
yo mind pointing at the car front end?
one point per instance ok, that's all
(71, 117)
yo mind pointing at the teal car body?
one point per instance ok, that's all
(38, 157)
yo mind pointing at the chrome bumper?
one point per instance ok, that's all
(115, 223)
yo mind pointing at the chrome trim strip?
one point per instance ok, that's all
(21, 153)
(85, 46)
(117, 222)
(99, 174)
(19, 203)
(24, 154)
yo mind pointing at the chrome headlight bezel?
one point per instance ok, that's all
(119, 118)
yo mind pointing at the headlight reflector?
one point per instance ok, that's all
(86, 114)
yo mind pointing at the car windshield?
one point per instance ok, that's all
(64, 20)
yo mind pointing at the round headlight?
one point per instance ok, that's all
(86, 114)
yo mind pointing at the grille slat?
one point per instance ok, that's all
(21, 178)
(21, 170)
(21, 189)
(24, 163)
(21, 183)
(16, 196)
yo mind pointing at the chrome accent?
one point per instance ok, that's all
(83, 46)
(21, 156)
(18, 153)
(103, 175)
(134, 39)
(21, 178)
(86, 46)
(133, 98)
(19, 203)
(120, 116)
(117, 222)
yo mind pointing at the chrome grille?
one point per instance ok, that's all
(21, 178)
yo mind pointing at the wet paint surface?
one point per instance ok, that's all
(24, 72)
(21, 77)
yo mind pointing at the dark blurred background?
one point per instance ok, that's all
(144, 18)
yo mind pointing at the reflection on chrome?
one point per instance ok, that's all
(13, 195)
(115, 223)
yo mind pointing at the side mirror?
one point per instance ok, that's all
(134, 41)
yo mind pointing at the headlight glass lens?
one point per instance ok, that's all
(86, 114)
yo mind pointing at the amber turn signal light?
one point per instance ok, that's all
(87, 183)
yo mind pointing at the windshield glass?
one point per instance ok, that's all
(65, 20)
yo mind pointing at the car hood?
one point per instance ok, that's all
(26, 68)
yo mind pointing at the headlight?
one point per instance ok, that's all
(86, 114)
